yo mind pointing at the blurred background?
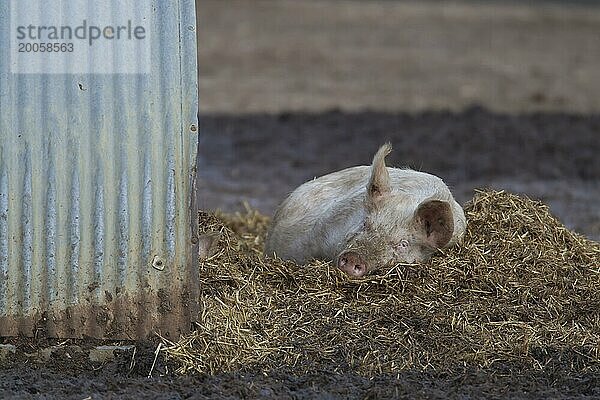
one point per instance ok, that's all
(498, 94)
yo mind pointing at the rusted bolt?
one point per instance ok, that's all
(193, 128)
(158, 263)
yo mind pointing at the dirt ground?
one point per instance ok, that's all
(482, 93)
(70, 376)
(390, 55)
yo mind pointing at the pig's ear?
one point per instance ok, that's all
(208, 245)
(434, 219)
(379, 183)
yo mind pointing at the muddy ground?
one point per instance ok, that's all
(291, 55)
(293, 89)
(68, 375)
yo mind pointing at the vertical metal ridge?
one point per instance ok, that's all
(26, 232)
(190, 131)
(172, 124)
(38, 296)
(3, 232)
(16, 206)
(121, 157)
(83, 284)
(131, 183)
(173, 266)
(111, 142)
(170, 206)
(43, 228)
(6, 124)
(93, 291)
(64, 189)
(147, 207)
(71, 272)
(50, 228)
(123, 236)
(98, 224)
(137, 276)
(160, 68)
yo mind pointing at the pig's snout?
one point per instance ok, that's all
(352, 264)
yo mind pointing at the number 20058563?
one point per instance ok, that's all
(46, 47)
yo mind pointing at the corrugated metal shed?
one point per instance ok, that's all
(97, 175)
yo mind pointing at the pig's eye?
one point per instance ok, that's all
(401, 245)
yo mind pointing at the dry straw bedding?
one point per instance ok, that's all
(521, 289)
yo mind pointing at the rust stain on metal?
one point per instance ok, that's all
(146, 315)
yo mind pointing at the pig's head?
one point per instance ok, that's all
(394, 231)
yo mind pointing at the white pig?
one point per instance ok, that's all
(363, 218)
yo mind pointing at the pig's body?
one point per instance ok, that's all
(314, 221)
(337, 213)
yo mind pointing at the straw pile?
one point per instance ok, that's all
(521, 290)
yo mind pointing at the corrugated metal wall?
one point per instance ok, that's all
(97, 174)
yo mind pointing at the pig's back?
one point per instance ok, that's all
(349, 186)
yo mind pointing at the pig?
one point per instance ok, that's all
(366, 217)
